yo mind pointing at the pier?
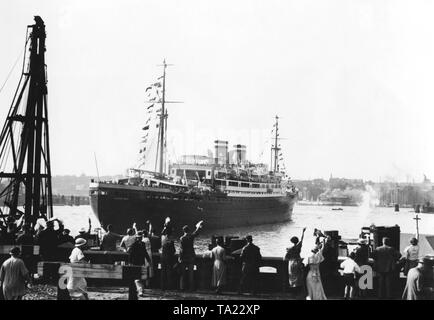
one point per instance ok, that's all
(272, 279)
(111, 270)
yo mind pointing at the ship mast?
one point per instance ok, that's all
(275, 149)
(162, 126)
(163, 116)
(163, 122)
(25, 135)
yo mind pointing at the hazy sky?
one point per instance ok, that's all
(352, 80)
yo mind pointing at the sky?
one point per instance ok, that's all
(351, 80)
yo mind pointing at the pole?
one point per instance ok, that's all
(162, 116)
(96, 165)
(275, 148)
(417, 226)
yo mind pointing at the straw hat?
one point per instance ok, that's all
(80, 242)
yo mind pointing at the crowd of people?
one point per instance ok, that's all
(312, 278)
(306, 277)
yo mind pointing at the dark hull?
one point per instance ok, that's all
(137, 206)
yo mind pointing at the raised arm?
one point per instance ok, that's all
(322, 245)
(122, 245)
(302, 235)
(196, 232)
(147, 257)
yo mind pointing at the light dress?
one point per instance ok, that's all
(76, 285)
(219, 267)
(315, 290)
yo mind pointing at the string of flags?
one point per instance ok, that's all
(153, 94)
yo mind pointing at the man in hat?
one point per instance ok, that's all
(85, 234)
(250, 258)
(361, 257)
(110, 239)
(417, 287)
(77, 286)
(48, 241)
(65, 237)
(167, 260)
(167, 255)
(13, 276)
(361, 252)
(385, 258)
(187, 255)
(329, 267)
(138, 255)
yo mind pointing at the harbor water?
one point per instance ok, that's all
(274, 238)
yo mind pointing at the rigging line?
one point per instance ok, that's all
(158, 147)
(15, 105)
(9, 137)
(13, 67)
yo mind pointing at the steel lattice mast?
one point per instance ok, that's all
(274, 148)
(25, 135)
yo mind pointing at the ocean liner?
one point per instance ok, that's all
(224, 190)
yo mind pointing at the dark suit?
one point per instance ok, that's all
(48, 241)
(385, 258)
(137, 256)
(167, 262)
(251, 259)
(186, 258)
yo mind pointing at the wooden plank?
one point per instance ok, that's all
(6, 248)
(94, 271)
(105, 253)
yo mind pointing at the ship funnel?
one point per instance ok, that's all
(240, 154)
(221, 152)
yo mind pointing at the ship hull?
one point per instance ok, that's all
(130, 206)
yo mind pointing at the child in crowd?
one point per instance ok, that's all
(350, 268)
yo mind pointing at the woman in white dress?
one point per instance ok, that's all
(218, 254)
(77, 286)
(314, 286)
(219, 267)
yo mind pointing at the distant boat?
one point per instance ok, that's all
(427, 208)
